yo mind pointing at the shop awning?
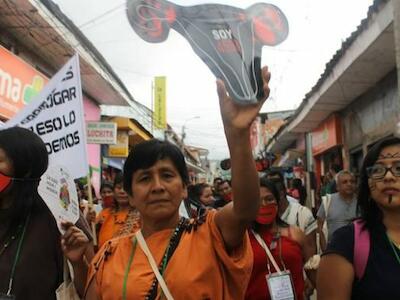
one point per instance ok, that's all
(128, 124)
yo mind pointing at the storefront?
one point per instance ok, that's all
(327, 145)
(129, 133)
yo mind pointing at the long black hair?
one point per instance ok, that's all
(195, 191)
(370, 212)
(29, 159)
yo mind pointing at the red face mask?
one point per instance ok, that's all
(267, 213)
(228, 197)
(108, 201)
(5, 181)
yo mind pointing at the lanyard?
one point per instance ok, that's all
(394, 250)
(130, 261)
(269, 254)
(17, 255)
(128, 268)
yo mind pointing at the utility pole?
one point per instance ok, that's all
(183, 133)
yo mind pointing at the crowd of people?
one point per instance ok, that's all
(157, 236)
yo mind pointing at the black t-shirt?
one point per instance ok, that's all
(40, 266)
(39, 271)
(382, 275)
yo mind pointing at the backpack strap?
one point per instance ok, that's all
(361, 248)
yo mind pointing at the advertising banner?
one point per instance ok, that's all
(160, 103)
(19, 83)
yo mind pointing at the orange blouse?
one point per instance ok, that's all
(115, 223)
(200, 268)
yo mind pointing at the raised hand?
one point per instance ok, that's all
(237, 116)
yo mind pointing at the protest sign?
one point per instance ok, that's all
(56, 115)
(228, 39)
(58, 190)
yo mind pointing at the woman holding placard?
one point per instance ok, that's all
(31, 255)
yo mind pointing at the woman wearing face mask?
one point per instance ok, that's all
(375, 271)
(120, 219)
(284, 243)
(31, 247)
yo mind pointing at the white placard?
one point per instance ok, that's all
(56, 115)
(57, 188)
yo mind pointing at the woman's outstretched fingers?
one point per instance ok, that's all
(266, 78)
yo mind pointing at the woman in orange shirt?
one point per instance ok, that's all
(120, 219)
(205, 258)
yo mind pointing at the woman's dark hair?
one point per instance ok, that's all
(298, 184)
(29, 158)
(146, 154)
(370, 212)
(106, 185)
(271, 186)
(195, 191)
(118, 179)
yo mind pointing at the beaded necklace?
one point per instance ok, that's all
(171, 247)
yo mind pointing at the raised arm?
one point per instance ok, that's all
(234, 218)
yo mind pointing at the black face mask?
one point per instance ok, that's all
(228, 39)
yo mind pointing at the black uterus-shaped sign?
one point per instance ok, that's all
(228, 39)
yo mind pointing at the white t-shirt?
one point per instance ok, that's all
(300, 216)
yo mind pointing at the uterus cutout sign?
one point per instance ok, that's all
(228, 39)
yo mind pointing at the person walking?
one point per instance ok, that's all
(284, 242)
(31, 246)
(160, 258)
(120, 219)
(362, 258)
(338, 209)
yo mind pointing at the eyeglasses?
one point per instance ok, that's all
(379, 171)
